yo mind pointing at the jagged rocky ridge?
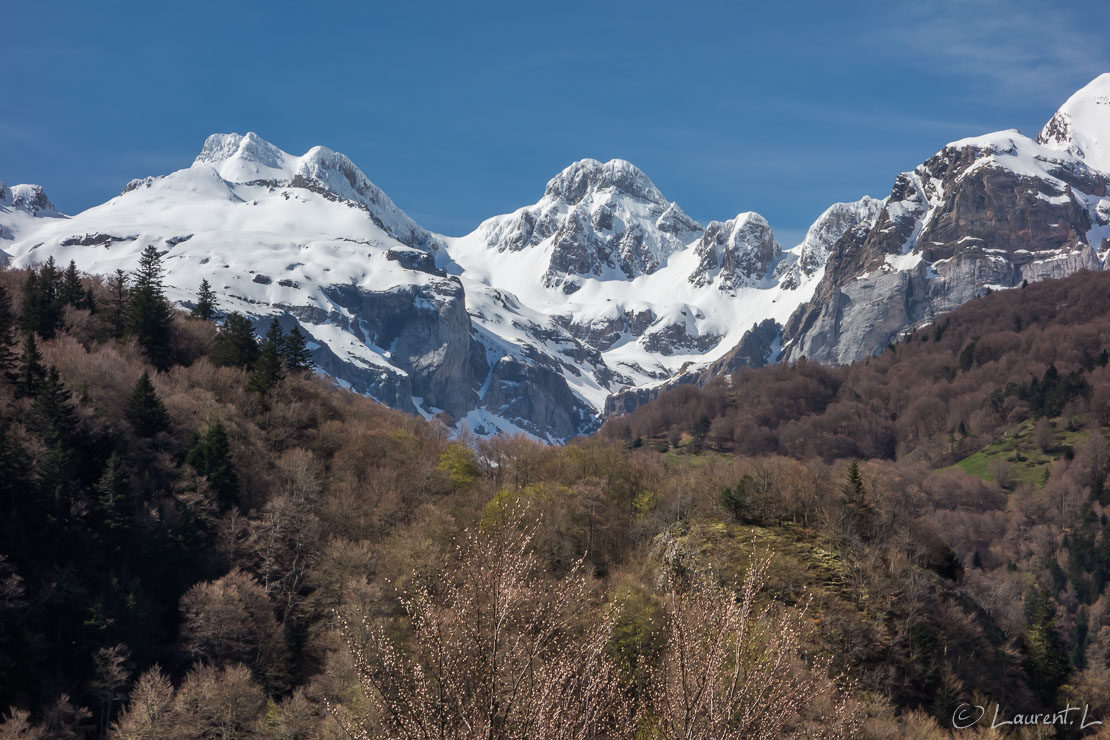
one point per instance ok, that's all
(604, 292)
(985, 212)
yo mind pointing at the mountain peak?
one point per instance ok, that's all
(247, 158)
(243, 158)
(29, 198)
(590, 176)
(1082, 124)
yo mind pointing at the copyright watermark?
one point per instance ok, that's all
(970, 715)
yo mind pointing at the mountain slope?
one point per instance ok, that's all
(603, 292)
(985, 212)
(604, 257)
(22, 210)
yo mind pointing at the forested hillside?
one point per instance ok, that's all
(200, 538)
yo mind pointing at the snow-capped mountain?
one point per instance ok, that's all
(603, 292)
(22, 209)
(606, 259)
(600, 221)
(527, 324)
(305, 238)
(986, 211)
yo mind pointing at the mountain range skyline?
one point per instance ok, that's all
(603, 292)
(858, 94)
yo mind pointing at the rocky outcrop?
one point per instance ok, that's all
(605, 220)
(812, 254)
(990, 211)
(537, 399)
(603, 333)
(759, 347)
(22, 209)
(736, 253)
(423, 331)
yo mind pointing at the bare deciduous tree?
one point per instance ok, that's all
(497, 650)
(731, 668)
(232, 620)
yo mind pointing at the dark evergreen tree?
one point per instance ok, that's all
(205, 307)
(853, 483)
(967, 355)
(40, 311)
(296, 354)
(56, 480)
(701, 428)
(30, 372)
(89, 301)
(235, 342)
(268, 370)
(210, 456)
(116, 308)
(149, 316)
(145, 411)
(1046, 658)
(71, 292)
(52, 416)
(274, 334)
(111, 506)
(14, 464)
(861, 515)
(7, 337)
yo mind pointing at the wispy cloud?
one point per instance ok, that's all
(1012, 47)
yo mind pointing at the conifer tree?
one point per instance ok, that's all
(145, 411)
(861, 514)
(274, 334)
(1046, 657)
(30, 310)
(118, 294)
(295, 351)
(54, 476)
(210, 456)
(853, 483)
(52, 416)
(71, 292)
(268, 370)
(111, 493)
(40, 311)
(30, 372)
(149, 315)
(235, 342)
(7, 337)
(14, 464)
(205, 307)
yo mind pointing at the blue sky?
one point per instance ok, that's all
(461, 111)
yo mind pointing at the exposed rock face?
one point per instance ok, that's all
(602, 220)
(989, 211)
(738, 252)
(28, 198)
(678, 336)
(758, 348)
(603, 333)
(814, 250)
(548, 405)
(424, 331)
(22, 209)
(629, 399)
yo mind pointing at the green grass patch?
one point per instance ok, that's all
(1018, 457)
